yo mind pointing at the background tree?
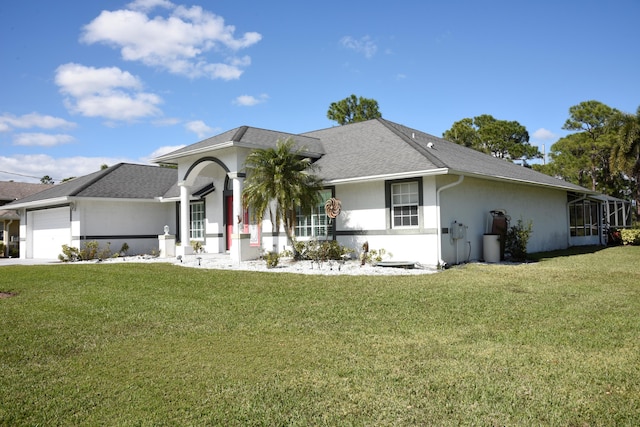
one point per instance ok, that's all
(353, 109)
(47, 180)
(625, 155)
(282, 179)
(584, 157)
(500, 138)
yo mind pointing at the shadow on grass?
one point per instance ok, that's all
(574, 250)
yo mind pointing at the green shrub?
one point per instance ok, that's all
(373, 256)
(196, 245)
(69, 253)
(1, 248)
(630, 236)
(272, 259)
(320, 251)
(517, 239)
(90, 250)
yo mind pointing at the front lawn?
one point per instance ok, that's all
(555, 342)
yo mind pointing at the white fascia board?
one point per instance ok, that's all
(385, 177)
(216, 147)
(41, 203)
(168, 199)
(116, 199)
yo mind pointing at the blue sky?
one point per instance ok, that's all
(86, 83)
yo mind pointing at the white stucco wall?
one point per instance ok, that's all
(472, 200)
(366, 218)
(138, 223)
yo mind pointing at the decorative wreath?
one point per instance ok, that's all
(332, 207)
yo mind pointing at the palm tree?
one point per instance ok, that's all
(280, 179)
(625, 156)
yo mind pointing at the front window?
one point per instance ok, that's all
(197, 220)
(405, 200)
(315, 224)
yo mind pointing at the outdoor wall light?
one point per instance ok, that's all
(166, 230)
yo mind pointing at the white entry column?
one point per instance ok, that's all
(236, 240)
(185, 219)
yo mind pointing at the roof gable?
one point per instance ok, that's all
(247, 137)
(123, 180)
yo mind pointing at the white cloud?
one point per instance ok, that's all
(33, 120)
(147, 5)
(105, 92)
(199, 128)
(363, 45)
(41, 139)
(166, 121)
(543, 134)
(250, 101)
(31, 167)
(178, 42)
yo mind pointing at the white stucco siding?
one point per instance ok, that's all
(365, 217)
(363, 207)
(470, 203)
(138, 223)
(214, 220)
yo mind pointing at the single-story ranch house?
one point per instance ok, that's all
(417, 196)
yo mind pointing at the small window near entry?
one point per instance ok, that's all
(197, 220)
(315, 224)
(405, 199)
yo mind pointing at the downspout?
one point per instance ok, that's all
(439, 230)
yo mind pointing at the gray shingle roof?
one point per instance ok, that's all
(123, 180)
(368, 149)
(380, 147)
(248, 137)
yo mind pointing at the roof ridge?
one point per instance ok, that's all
(239, 134)
(392, 126)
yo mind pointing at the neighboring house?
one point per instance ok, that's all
(9, 219)
(417, 196)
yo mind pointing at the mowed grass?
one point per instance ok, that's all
(556, 342)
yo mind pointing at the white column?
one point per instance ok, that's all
(236, 242)
(185, 241)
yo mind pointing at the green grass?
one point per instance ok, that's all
(556, 342)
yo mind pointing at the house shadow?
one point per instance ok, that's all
(574, 250)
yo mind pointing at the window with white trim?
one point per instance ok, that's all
(405, 200)
(196, 212)
(315, 224)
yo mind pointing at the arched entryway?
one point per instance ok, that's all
(208, 185)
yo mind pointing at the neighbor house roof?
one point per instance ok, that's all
(121, 181)
(380, 148)
(10, 191)
(247, 137)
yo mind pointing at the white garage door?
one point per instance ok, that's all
(51, 230)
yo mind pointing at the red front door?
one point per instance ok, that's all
(229, 219)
